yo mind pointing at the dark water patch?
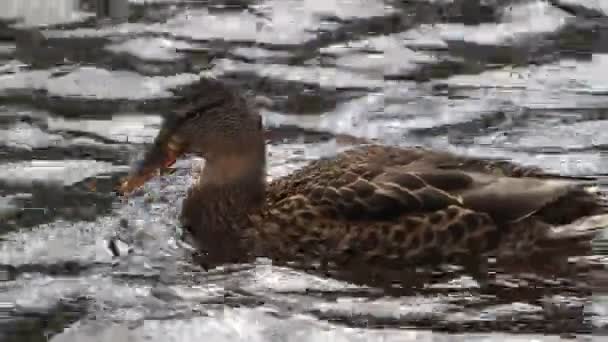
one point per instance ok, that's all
(152, 68)
(119, 155)
(7, 31)
(41, 52)
(75, 106)
(466, 132)
(579, 10)
(570, 115)
(72, 134)
(290, 133)
(68, 268)
(580, 38)
(88, 21)
(557, 150)
(7, 52)
(334, 295)
(47, 202)
(441, 70)
(538, 51)
(40, 326)
(469, 12)
(569, 326)
(13, 115)
(8, 273)
(291, 96)
(601, 247)
(258, 54)
(474, 12)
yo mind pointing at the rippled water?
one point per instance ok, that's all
(80, 99)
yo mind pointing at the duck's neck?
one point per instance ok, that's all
(217, 208)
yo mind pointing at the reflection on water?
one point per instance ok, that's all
(41, 12)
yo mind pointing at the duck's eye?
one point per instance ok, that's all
(193, 115)
(196, 110)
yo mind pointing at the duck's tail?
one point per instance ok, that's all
(536, 246)
(575, 237)
(565, 227)
(574, 218)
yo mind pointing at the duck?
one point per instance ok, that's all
(367, 211)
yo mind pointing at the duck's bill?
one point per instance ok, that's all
(158, 160)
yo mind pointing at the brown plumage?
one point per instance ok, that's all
(370, 210)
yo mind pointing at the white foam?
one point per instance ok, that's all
(42, 12)
(96, 83)
(278, 22)
(125, 128)
(150, 48)
(519, 22)
(66, 172)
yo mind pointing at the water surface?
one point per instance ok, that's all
(80, 99)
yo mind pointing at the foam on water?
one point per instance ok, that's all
(95, 83)
(26, 136)
(273, 21)
(61, 171)
(326, 77)
(519, 22)
(41, 12)
(384, 56)
(135, 128)
(150, 48)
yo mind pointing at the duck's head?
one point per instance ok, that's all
(215, 123)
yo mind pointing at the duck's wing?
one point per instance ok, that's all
(384, 183)
(398, 206)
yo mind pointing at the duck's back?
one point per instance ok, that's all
(392, 206)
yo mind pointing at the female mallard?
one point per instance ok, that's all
(370, 208)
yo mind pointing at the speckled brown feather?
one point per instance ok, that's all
(392, 208)
(373, 207)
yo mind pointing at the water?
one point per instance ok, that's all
(40, 12)
(80, 99)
